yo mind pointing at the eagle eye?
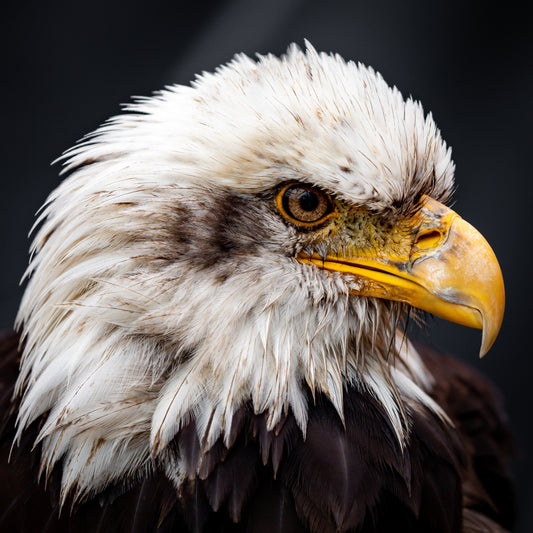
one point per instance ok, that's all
(304, 205)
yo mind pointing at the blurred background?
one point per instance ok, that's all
(69, 64)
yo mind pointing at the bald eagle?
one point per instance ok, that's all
(212, 336)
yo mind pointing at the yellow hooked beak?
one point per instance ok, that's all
(449, 270)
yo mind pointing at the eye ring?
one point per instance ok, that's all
(304, 205)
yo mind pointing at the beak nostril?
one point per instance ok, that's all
(428, 239)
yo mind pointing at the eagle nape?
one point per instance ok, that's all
(210, 337)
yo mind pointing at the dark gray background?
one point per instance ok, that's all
(68, 64)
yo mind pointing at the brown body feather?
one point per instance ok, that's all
(340, 478)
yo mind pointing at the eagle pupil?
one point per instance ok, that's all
(308, 201)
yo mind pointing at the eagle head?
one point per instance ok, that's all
(254, 239)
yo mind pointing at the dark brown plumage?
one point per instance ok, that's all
(352, 478)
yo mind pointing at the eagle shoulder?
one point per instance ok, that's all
(342, 476)
(476, 409)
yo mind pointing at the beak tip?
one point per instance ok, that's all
(491, 329)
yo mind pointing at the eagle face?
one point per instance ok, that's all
(245, 240)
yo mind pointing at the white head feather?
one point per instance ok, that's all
(136, 319)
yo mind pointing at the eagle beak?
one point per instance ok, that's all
(448, 269)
